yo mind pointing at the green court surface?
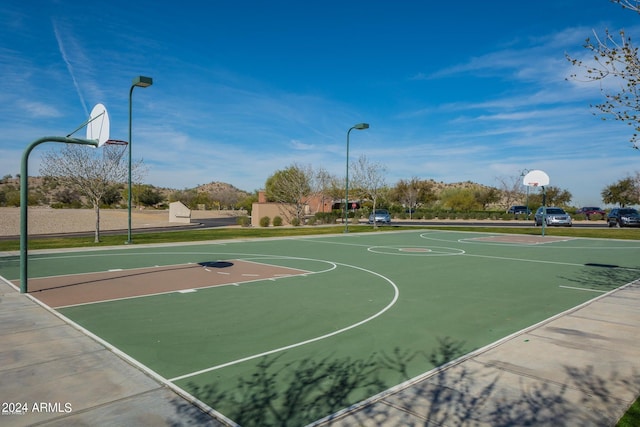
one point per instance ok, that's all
(364, 312)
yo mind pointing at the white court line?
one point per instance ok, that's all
(426, 236)
(299, 344)
(583, 289)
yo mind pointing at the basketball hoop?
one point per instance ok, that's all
(536, 178)
(115, 142)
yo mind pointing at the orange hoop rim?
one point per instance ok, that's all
(115, 142)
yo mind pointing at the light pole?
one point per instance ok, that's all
(359, 126)
(522, 175)
(140, 81)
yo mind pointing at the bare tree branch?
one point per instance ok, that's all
(89, 171)
(616, 60)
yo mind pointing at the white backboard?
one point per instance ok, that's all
(98, 126)
(536, 178)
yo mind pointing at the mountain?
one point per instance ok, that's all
(45, 191)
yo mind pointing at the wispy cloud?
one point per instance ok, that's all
(38, 109)
(68, 63)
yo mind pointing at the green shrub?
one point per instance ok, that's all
(244, 221)
(327, 217)
(264, 221)
(277, 221)
(295, 222)
(311, 221)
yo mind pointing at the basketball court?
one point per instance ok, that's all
(298, 329)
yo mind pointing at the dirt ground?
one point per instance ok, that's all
(46, 220)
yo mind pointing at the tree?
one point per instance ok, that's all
(554, 197)
(203, 198)
(247, 202)
(227, 197)
(187, 197)
(69, 197)
(150, 196)
(291, 187)
(88, 171)
(615, 59)
(413, 193)
(623, 192)
(369, 180)
(324, 185)
(511, 188)
(486, 196)
(459, 199)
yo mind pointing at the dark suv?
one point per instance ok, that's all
(519, 210)
(623, 217)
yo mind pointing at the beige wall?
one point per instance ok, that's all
(262, 208)
(258, 210)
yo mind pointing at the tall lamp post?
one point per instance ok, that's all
(140, 81)
(359, 126)
(522, 175)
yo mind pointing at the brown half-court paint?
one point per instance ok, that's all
(60, 291)
(522, 239)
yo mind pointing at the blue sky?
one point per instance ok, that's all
(453, 91)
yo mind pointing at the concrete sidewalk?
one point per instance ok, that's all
(58, 376)
(581, 368)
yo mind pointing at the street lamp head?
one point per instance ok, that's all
(361, 126)
(142, 81)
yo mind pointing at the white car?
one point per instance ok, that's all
(553, 216)
(380, 215)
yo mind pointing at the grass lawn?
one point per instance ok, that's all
(632, 417)
(141, 237)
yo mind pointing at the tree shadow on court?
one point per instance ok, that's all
(302, 392)
(312, 389)
(455, 394)
(603, 277)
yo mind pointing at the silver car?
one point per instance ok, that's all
(554, 216)
(380, 215)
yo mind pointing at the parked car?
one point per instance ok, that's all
(380, 215)
(553, 216)
(519, 210)
(623, 217)
(588, 211)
